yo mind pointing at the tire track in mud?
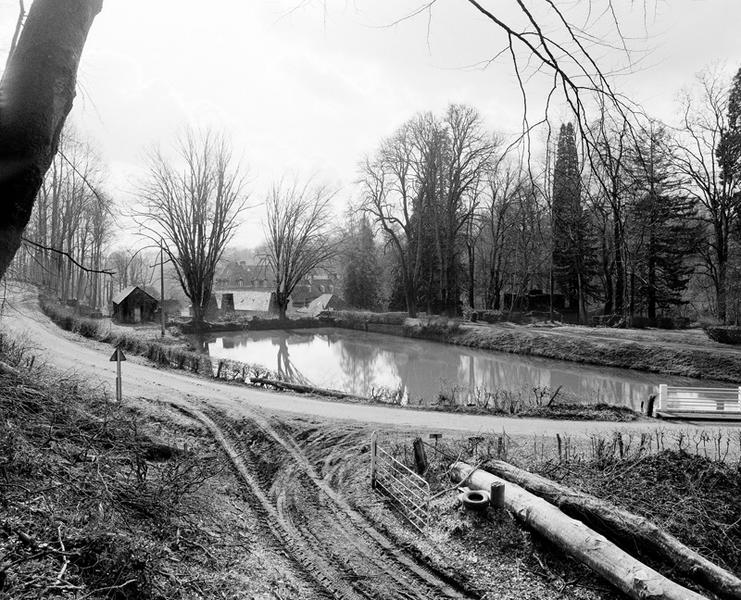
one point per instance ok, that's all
(334, 545)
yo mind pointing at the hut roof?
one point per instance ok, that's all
(126, 292)
(324, 302)
(253, 301)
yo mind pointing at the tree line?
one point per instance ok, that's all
(632, 219)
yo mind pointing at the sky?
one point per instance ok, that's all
(306, 88)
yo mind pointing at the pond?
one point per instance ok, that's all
(364, 363)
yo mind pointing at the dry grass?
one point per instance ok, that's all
(99, 500)
(687, 483)
(490, 554)
(89, 496)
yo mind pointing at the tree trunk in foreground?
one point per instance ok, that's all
(36, 93)
(602, 556)
(628, 527)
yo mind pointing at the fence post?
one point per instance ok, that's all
(373, 449)
(662, 396)
(739, 398)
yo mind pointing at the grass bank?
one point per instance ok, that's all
(101, 500)
(654, 357)
(643, 354)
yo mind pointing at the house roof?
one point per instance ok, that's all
(252, 301)
(324, 302)
(127, 291)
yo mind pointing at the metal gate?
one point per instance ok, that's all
(409, 493)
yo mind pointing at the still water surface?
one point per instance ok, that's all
(360, 362)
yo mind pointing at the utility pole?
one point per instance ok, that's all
(162, 292)
(550, 290)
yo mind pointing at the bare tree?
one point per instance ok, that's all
(423, 189)
(36, 93)
(192, 206)
(704, 124)
(298, 235)
(497, 223)
(71, 224)
(392, 194)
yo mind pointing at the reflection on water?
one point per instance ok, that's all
(360, 362)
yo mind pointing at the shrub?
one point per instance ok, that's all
(725, 334)
(640, 322)
(431, 327)
(358, 317)
(88, 328)
(489, 316)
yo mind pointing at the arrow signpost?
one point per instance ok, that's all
(118, 356)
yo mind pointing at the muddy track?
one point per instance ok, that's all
(333, 544)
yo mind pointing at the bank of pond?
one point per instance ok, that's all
(420, 372)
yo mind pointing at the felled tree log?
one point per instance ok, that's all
(6, 369)
(602, 556)
(300, 388)
(618, 523)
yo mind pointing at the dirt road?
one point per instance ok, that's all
(70, 352)
(341, 551)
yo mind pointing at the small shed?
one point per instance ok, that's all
(134, 305)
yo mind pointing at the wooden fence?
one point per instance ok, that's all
(408, 492)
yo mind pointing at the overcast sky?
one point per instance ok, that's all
(310, 91)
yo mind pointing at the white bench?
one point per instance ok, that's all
(721, 401)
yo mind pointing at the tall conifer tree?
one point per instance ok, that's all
(571, 254)
(362, 278)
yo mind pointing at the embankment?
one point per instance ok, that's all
(653, 357)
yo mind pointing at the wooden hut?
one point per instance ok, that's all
(134, 305)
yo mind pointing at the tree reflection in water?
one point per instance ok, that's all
(363, 362)
(358, 363)
(287, 371)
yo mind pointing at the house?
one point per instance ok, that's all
(134, 305)
(248, 302)
(237, 275)
(312, 287)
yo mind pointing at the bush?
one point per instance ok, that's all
(489, 316)
(359, 317)
(88, 328)
(672, 323)
(109, 503)
(640, 322)
(431, 327)
(725, 334)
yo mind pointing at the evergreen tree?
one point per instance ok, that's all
(728, 151)
(664, 227)
(362, 277)
(572, 256)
